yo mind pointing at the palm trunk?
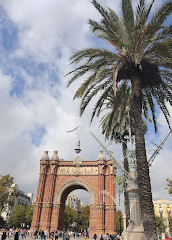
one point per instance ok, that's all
(146, 204)
(126, 198)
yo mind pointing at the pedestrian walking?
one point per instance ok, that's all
(16, 235)
(35, 234)
(45, 234)
(42, 235)
(56, 235)
(4, 235)
(101, 237)
(52, 235)
(95, 236)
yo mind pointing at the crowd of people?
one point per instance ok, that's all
(54, 235)
(107, 236)
(21, 234)
(14, 233)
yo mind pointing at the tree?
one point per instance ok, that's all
(83, 218)
(170, 224)
(118, 124)
(2, 222)
(139, 57)
(29, 214)
(159, 224)
(18, 215)
(169, 186)
(70, 216)
(119, 222)
(7, 191)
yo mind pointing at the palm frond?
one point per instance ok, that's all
(152, 107)
(157, 20)
(128, 16)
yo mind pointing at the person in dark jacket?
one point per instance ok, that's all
(16, 235)
(4, 235)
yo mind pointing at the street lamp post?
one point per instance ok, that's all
(120, 227)
(161, 215)
(160, 211)
(168, 212)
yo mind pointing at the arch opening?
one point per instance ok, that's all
(63, 193)
(70, 186)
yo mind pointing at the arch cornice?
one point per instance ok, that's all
(77, 182)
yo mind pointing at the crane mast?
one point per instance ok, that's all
(159, 147)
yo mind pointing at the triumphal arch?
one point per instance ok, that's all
(58, 178)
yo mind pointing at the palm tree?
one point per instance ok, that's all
(140, 56)
(117, 124)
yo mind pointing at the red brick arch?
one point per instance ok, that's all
(58, 178)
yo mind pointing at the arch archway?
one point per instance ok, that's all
(59, 178)
(74, 184)
(65, 190)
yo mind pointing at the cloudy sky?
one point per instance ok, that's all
(37, 37)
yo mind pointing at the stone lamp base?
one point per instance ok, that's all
(133, 233)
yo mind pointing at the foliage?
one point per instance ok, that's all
(2, 222)
(18, 215)
(70, 216)
(29, 215)
(138, 50)
(118, 217)
(83, 218)
(170, 224)
(138, 59)
(169, 186)
(159, 224)
(7, 191)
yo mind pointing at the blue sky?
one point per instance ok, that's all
(36, 40)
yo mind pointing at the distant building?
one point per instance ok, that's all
(22, 199)
(83, 204)
(73, 202)
(163, 209)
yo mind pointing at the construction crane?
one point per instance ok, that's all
(117, 164)
(159, 147)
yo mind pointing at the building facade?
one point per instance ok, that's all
(163, 209)
(73, 202)
(83, 204)
(22, 199)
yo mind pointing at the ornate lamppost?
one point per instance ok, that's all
(168, 212)
(160, 211)
(161, 216)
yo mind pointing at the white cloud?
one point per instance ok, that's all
(49, 31)
(47, 27)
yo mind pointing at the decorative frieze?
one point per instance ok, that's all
(104, 206)
(42, 170)
(101, 169)
(133, 196)
(52, 168)
(47, 205)
(77, 170)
